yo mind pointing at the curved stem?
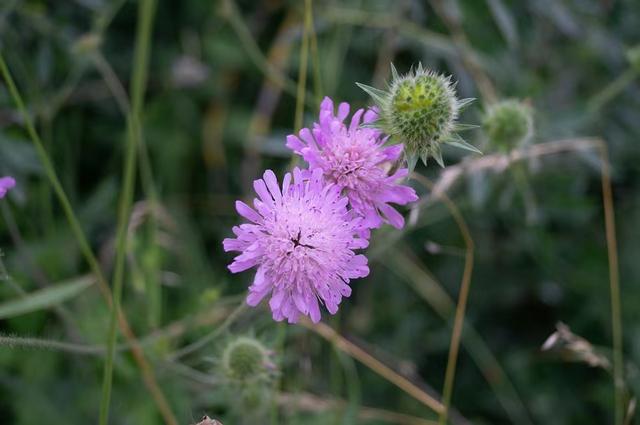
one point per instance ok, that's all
(230, 12)
(141, 58)
(211, 336)
(302, 71)
(468, 56)
(85, 249)
(614, 284)
(610, 91)
(458, 323)
(374, 364)
(500, 162)
(403, 263)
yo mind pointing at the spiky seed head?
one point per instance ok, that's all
(508, 124)
(245, 359)
(420, 109)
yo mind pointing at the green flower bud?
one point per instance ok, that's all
(420, 109)
(246, 359)
(508, 124)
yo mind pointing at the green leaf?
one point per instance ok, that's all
(412, 160)
(379, 124)
(394, 73)
(45, 298)
(463, 103)
(437, 155)
(458, 142)
(424, 157)
(464, 127)
(377, 94)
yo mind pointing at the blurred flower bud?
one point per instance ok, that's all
(508, 124)
(246, 360)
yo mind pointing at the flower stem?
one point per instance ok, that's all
(85, 249)
(353, 350)
(302, 71)
(613, 89)
(141, 58)
(458, 323)
(315, 55)
(614, 284)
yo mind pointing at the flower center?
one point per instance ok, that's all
(297, 243)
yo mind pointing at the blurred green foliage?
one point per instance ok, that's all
(221, 98)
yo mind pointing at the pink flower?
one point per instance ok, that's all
(6, 183)
(301, 239)
(356, 160)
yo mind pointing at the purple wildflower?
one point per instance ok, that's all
(355, 159)
(302, 240)
(6, 183)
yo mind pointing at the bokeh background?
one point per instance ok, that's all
(221, 97)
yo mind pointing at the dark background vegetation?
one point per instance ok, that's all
(216, 112)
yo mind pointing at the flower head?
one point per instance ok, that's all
(355, 159)
(508, 124)
(420, 109)
(6, 183)
(301, 239)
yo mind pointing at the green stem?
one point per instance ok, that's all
(47, 344)
(211, 336)
(230, 12)
(279, 343)
(139, 80)
(613, 89)
(146, 176)
(519, 173)
(50, 172)
(302, 71)
(614, 285)
(354, 390)
(315, 55)
(458, 322)
(90, 258)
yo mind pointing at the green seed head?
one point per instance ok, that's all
(508, 124)
(420, 109)
(245, 359)
(423, 109)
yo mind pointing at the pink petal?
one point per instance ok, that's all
(272, 184)
(247, 212)
(261, 189)
(343, 111)
(394, 217)
(294, 143)
(355, 120)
